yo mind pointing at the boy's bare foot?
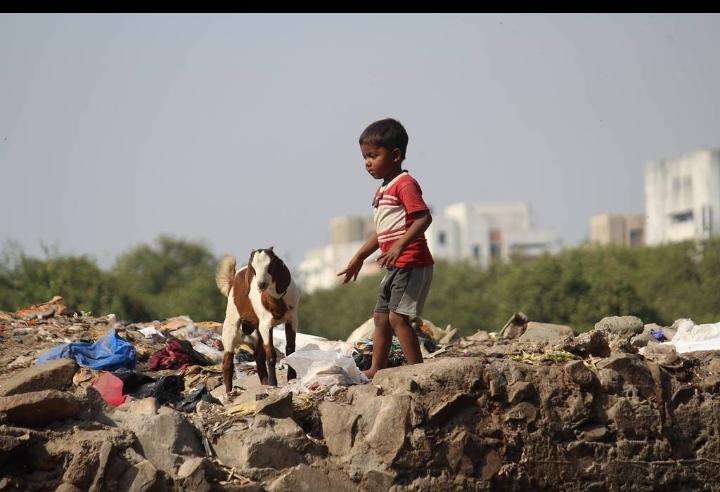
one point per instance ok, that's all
(370, 373)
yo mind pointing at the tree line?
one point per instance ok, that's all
(577, 286)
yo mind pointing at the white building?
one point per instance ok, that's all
(321, 265)
(483, 232)
(478, 232)
(682, 197)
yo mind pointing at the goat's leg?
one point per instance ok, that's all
(228, 369)
(231, 325)
(271, 359)
(290, 346)
(259, 354)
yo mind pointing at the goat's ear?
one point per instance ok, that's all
(281, 276)
(271, 248)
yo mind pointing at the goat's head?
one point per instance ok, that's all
(261, 261)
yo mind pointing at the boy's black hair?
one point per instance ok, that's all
(388, 133)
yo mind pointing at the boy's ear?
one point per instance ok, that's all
(397, 155)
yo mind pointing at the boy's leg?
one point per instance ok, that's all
(400, 324)
(382, 340)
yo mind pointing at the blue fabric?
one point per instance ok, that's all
(658, 335)
(110, 352)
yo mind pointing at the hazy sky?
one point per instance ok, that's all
(241, 130)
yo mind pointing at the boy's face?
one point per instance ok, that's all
(379, 161)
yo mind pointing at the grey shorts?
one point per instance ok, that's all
(403, 290)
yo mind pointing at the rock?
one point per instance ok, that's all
(665, 355)
(479, 336)
(632, 370)
(621, 325)
(597, 433)
(275, 405)
(377, 481)
(306, 478)
(579, 373)
(55, 374)
(515, 326)
(39, 407)
(144, 406)
(191, 475)
(450, 336)
(545, 333)
(166, 439)
(338, 422)
(523, 411)
(141, 477)
(642, 340)
(269, 443)
(593, 342)
(521, 391)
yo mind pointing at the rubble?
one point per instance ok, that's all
(534, 406)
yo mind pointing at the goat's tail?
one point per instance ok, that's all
(225, 274)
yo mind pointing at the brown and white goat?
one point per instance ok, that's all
(261, 295)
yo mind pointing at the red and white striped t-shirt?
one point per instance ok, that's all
(394, 202)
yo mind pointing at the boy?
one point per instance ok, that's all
(401, 217)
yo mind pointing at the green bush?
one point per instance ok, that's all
(578, 286)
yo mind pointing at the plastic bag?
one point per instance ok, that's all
(324, 367)
(110, 388)
(109, 352)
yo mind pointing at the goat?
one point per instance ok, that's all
(260, 296)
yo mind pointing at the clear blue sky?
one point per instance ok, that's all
(241, 130)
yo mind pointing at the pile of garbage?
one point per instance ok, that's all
(91, 403)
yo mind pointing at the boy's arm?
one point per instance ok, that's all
(356, 263)
(420, 224)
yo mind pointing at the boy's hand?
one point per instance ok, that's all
(388, 259)
(352, 270)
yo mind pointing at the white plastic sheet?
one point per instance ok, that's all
(691, 337)
(324, 367)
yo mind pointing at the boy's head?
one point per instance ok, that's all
(387, 133)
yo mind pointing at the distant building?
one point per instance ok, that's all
(483, 232)
(682, 197)
(628, 230)
(320, 267)
(479, 232)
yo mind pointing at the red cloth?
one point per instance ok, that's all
(174, 356)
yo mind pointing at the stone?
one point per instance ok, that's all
(523, 411)
(140, 477)
(144, 406)
(441, 413)
(515, 326)
(546, 333)
(166, 439)
(621, 325)
(39, 407)
(377, 481)
(191, 475)
(665, 355)
(305, 478)
(56, 374)
(269, 443)
(593, 342)
(632, 370)
(338, 422)
(579, 373)
(521, 391)
(275, 405)
(597, 433)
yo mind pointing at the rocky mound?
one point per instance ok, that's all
(535, 407)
